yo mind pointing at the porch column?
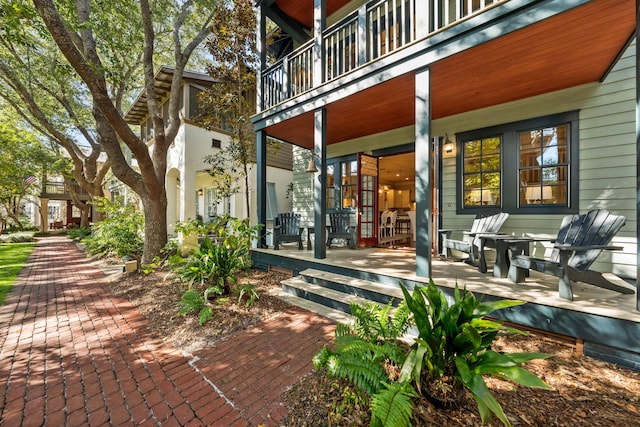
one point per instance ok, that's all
(637, 156)
(424, 185)
(261, 44)
(261, 185)
(44, 215)
(320, 183)
(319, 24)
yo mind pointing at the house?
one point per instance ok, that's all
(451, 109)
(191, 191)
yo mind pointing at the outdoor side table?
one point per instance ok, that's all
(502, 244)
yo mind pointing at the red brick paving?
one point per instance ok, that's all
(72, 353)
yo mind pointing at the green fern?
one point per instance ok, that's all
(393, 405)
(367, 376)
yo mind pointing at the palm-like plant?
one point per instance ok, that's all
(453, 347)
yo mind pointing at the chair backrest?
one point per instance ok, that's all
(596, 227)
(339, 222)
(393, 216)
(289, 223)
(489, 224)
(384, 218)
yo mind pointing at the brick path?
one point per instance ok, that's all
(73, 354)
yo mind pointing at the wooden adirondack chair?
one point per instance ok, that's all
(340, 228)
(470, 241)
(580, 240)
(287, 229)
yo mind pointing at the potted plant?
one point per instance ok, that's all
(453, 349)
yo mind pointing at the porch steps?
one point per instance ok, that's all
(336, 292)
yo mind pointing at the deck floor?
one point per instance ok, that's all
(539, 288)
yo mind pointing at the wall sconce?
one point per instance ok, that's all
(200, 192)
(448, 145)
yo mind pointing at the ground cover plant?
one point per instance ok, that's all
(13, 256)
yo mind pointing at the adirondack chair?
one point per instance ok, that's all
(340, 228)
(470, 241)
(287, 229)
(580, 240)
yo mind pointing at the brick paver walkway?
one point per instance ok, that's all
(73, 354)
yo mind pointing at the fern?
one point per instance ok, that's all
(392, 406)
(368, 377)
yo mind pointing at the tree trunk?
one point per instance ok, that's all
(155, 225)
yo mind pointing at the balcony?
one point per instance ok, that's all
(62, 191)
(369, 33)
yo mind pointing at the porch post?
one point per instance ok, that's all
(261, 184)
(261, 44)
(319, 24)
(637, 156)
(320, 183)
(424, 184)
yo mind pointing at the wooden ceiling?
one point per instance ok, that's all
(302, 10)
(570, 49)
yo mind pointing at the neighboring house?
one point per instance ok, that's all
(56, 209)
(190, 189)
(461, 108)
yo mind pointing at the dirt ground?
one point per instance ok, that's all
(586, 392)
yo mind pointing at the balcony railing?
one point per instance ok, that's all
(374, 30)
(60, 188)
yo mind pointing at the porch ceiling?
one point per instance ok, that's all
(571, 49)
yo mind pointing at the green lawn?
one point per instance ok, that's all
(13, 257)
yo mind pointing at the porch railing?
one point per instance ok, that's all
(60, 188)
(372, 31)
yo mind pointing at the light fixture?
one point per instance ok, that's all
(200, 192)
(311, 168)
(448, 145)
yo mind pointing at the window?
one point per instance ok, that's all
(482, 172)
(272, 200)
(216, 143)
(520, 167)
(342, 183)
(543, 166)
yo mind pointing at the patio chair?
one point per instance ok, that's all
(287, 229)
(340, 228)
(470, 241)
(580, 240)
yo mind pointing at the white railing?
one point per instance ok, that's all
(374, 30)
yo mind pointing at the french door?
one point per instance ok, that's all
(367, 200)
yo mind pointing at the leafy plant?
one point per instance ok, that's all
(370, 354)
(120, 233)
(248, 294)
(193, 300)
(223, 252)
(79, 233)
(453, 347)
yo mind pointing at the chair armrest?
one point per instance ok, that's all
(449, 230)
(587, 248)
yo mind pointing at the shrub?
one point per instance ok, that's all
(193, 300)
(79, 233)
(119, 234)
(223, 252)
(453, 348)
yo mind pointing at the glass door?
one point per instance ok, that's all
(367, 200)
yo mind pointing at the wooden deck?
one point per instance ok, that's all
(607, 321)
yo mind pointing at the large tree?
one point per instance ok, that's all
(93, 36)
(229, 103)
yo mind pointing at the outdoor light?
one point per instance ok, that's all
(200, 192)
(311, 168)
(448, 145)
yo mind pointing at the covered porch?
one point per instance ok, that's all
(604, 322)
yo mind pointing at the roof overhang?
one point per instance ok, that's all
(570, 49)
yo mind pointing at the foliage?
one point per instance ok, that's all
(369, 354)
(249, 295)
(229, 103)
(21, 237)
(79, 233)
(23, 158)
(223, 252)
(454, 342)
(12, 258)
(119, 234)
(194, 300)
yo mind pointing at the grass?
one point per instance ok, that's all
(13, 257)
